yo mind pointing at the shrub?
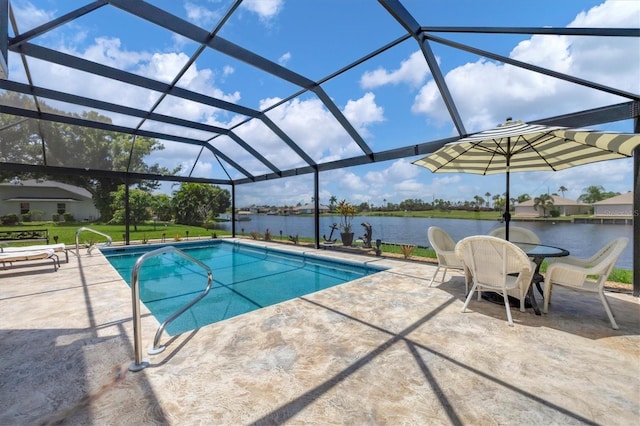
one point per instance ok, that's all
(55, 217)
(10, 219)
(407, 249)
(37, 215)
(25, 217)
(267, 235)
(68, 217)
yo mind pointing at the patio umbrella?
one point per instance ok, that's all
(517, 146)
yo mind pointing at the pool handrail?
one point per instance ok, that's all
(139, 363)
(91, 247)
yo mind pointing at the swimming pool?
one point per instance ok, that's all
(245, 278)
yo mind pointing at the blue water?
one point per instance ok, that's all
(580, 239)
(244, 279)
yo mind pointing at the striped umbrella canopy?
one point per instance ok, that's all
(516, 146)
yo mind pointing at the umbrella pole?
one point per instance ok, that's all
(507, 214)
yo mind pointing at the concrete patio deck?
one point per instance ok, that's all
(385, 349)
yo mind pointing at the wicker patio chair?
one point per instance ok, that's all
(588, 275)
(496, 265)
(444, 247)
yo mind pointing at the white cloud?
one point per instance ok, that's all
(284, 59)
(108, 51)
(363, 112)
(351, 182)
(611, 175)
(30, 16)
(312, 127)
(487, 92)
(157, 66)
(412, 71)
(399, 170)
(202, 15)
(227, 70)
(265, 9)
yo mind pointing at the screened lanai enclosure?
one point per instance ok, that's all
(239, 93)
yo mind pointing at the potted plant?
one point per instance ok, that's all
(346, 211)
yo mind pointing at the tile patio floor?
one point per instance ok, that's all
(382, 350)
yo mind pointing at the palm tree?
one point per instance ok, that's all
(562, 190)
(544, 201)
(496, 200)
(487, 195)
(332, 202)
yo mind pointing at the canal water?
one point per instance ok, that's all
(581, 239)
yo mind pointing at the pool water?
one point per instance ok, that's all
(245, 278)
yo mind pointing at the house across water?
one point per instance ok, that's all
(565, 206)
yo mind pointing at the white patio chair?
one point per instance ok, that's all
(444, 247)
(517, 234)
(496, 265)
(587, 275)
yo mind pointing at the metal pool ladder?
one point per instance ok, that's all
(139, 363)
(79, 230)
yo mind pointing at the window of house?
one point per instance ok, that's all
(24, 208)
(62, 208)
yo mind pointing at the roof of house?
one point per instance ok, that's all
(50, 184)
(618, 199)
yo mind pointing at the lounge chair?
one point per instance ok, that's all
(57, 248)
(20, 256)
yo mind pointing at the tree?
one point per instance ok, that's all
(332, 202)
(162, 207)
(496, 200)
(478, 201)
(195, 203)
(523, 197)
(488, 197)
(140, 203)
(544, 201)
(30, 141)
(562, 190)
(595, 193)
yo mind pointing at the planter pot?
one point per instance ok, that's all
(347, 238)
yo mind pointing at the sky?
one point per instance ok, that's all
(391, 100)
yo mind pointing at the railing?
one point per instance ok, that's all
(139, 363)
(91, 247)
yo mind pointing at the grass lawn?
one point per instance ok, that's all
(66, 232)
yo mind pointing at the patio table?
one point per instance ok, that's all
(537, 253)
